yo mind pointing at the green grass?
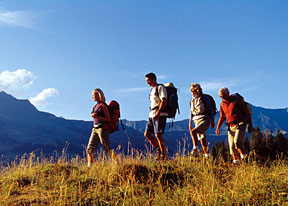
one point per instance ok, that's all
(142, 181)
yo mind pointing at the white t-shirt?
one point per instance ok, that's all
(155, 100)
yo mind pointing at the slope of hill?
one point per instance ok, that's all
(143, 181)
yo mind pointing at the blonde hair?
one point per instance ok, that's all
(197, 87)
(100, 94)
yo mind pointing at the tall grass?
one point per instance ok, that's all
(137, 179)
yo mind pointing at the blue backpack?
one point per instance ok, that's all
(206, 98)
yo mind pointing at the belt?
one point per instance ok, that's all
(98, 126)
(154, 108)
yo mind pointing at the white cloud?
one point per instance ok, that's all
(25, 19)
(41, 100)
(136, 89)
(15, 80)
(133, 75)
(248, 83)
(162, 77)
(216, 85)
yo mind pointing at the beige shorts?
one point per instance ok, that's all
(98, 135)
(201, 126)
(236, 136)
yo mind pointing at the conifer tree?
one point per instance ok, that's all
(257, 143)
(280, 143)
(246, 145)
(255, 139)
(220, 150)
(270, 145)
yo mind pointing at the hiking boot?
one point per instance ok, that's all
(158, 154)
(195, 152)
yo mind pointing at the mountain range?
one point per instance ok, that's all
(24, 129)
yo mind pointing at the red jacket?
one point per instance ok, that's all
(232, 111)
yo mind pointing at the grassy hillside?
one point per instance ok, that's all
(142, 181)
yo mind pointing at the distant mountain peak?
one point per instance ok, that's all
(6, 95)
(11, 108)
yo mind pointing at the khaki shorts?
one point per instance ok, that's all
(201, 126)
(97, 135)
(236, 136)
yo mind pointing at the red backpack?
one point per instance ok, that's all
(114, 111)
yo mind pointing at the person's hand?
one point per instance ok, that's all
(94, 115)
(250, 128)
(217, 131)
(156, 117)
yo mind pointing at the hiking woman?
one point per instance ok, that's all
(202, 117)
(100, 132)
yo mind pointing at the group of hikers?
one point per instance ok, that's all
(233, 108)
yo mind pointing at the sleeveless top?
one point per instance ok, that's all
(99, 110)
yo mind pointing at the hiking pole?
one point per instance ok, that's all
(129, 142)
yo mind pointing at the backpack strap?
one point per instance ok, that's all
(157, 92)
(221, 105)
(101, 106)
(157, 89)
(239, 101)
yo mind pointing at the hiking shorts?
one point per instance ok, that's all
(236, 136)
(157, 126)
(98, 134)
(201, 126)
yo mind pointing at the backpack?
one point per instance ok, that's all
(206, 105)
(172, 100)
(238, 96)
(114, 111)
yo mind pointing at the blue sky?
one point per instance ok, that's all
(54, 53)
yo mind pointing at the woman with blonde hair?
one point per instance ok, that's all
(100, 130)
(202, 119)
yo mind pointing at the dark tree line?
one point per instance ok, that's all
(262, 146)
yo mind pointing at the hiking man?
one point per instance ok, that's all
(235, 111)
(201, 114)
(157, 118)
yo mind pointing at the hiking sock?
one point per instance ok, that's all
(236, 162)
(163, 156)
(207, 155)
(158, 153)
(243, 156)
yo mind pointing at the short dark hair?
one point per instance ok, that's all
(151, 76)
